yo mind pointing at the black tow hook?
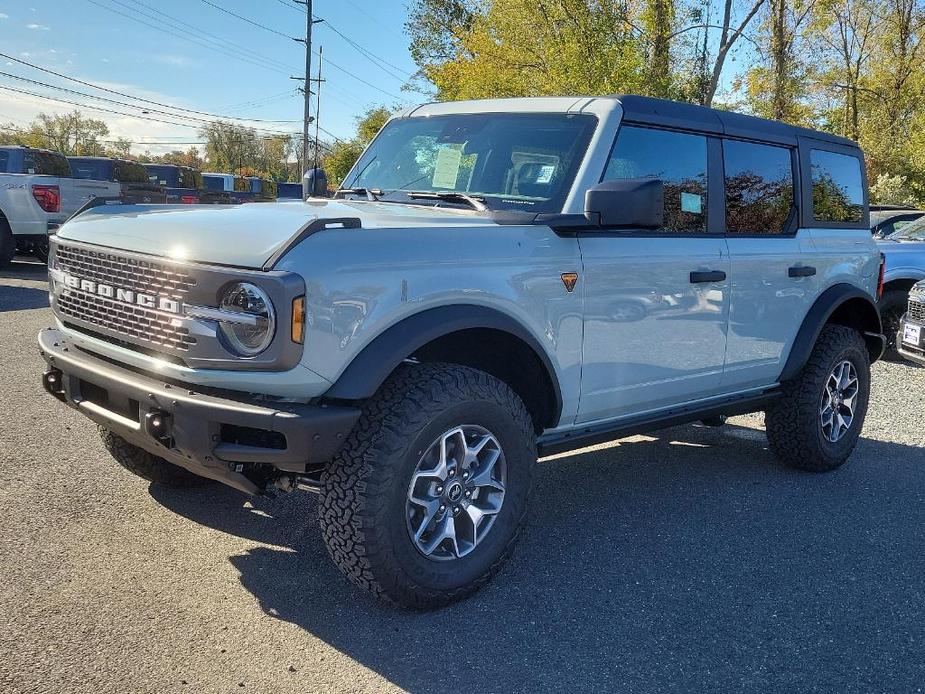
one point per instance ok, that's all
(157, 425)
(53, 383)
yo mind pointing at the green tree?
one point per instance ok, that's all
(343, 155)
(69, 133)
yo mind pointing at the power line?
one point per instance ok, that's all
(329, 61)
(120, 103)
(104, 110)
(249, 21)
(136, 98)
(246, 56)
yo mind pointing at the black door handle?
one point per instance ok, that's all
(802, 271)
(707, 276)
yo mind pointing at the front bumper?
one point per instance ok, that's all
(200, 430)
(914, 353)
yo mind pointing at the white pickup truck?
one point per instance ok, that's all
(37, 193)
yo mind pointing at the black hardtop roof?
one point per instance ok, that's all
(647, 109)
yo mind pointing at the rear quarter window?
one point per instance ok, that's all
(46, 164)
(837, 186)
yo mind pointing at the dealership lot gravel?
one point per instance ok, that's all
(688, 560)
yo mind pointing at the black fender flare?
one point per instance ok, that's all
(372, 366)
(868, 321)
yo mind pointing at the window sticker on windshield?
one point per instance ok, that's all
(446, 169)
(546, 172)
(691, 202)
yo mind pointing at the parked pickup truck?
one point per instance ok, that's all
(236, 188)
(409, 348)
(37, 194)
(904, 251)
(182, 184)
(136, 186)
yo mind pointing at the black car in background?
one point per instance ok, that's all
(887, 219)
(137, 187)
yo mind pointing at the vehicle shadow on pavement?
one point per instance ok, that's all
(689, 560)
(18, 298)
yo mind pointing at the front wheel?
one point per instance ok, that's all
(427, 497)
(147, 466)
(816, 424)
(892, 308)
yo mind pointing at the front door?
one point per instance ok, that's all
(656, 301)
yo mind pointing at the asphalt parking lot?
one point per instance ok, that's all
(686, 561)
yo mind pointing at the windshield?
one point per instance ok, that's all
(913, 231)
(514, 161)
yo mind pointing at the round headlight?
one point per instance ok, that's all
(251, 331)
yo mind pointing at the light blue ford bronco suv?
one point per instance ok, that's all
(496, 281)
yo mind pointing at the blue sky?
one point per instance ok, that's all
(165, 51)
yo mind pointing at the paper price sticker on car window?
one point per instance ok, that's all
(691, 202)
(446, 169)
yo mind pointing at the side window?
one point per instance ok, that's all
(759, 187)
(4, 159)
(678, 159)
(838, 191)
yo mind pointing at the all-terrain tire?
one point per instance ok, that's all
(794, 424)
(147, 466)
(364, 490)
(892, 307)
(7, 244)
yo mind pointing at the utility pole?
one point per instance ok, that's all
(308, 77)
(318, 106)
(309, 21)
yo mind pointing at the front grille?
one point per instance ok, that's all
(917, 311)
(133, 321)
(147, 277)
(140, 276)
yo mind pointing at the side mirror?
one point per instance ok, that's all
(629, 203)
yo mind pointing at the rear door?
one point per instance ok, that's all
(656, 301)
(774, 278)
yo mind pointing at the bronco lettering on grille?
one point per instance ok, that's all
(125, 296)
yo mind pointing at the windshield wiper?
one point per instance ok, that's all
(370, 193)
(477, 203)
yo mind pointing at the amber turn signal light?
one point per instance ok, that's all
(298, 319)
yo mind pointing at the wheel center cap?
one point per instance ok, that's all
(454, 492)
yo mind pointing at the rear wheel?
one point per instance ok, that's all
(426, 499)
(892, 307)
(147, 466)
(816, 424)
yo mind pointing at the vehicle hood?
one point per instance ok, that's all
(241, 235)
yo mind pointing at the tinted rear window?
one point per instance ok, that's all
(129, 172)
(46, 163)
(96, 169)
(189, 178)
(838, 189)
(759, 187)
(214, 183)
(163, 175)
